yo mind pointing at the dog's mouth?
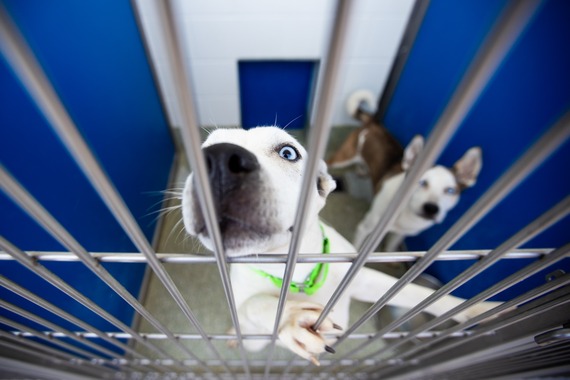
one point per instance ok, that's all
(425, 216)
(229, 223)
(239, 233)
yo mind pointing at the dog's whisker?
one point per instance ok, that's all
(180, 227)
(292, 121)
(166, 210)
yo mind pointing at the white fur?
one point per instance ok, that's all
(359, 97)
(256, 297)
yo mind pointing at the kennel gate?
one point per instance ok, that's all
(529, 339)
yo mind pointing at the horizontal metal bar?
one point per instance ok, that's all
(185, 258)
(156, 336)
(36, 371)
(29, 353)
(57, 282)
(46, 337)
(54, 353)
(24, 293)
(511, 280)
(57, 331)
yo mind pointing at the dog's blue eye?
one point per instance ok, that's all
(450, 190)
(289, 153)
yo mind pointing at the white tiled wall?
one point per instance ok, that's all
(219, 33)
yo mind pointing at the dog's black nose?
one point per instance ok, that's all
(430, 209)
(228, 162)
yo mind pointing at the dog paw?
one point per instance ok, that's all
(475, 310)
(232, 343)
(296, 330)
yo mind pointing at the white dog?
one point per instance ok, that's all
(436, 193)
(256, 179)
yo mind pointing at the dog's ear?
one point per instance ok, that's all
(325, 182)
(412, 151)
(468, 167)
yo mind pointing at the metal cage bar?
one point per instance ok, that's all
(171, 36)
(318, 136)
(188, 258)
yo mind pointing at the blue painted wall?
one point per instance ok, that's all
(276, 92)
(530, 91)
(93, 54)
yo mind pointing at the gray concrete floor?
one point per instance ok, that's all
(202, 289)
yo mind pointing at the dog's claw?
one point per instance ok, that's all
(329, 349)
(337, 327)
(315, 361)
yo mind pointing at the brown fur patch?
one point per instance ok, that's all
(381, 152)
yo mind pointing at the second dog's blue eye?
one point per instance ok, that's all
(289, 153)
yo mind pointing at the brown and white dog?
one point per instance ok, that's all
(256, 178)
(436, 193)
(373, 147)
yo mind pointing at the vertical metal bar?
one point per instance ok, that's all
(318, 138)
(171, 30)
(30, 73)
(503, 36)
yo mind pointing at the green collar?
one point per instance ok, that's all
(314, 280)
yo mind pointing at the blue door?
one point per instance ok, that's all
(527, 94)
(276, 92)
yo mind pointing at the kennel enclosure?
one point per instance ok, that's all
(524, 337)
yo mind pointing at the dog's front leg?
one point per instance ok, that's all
(370, 285)
(295, 329)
